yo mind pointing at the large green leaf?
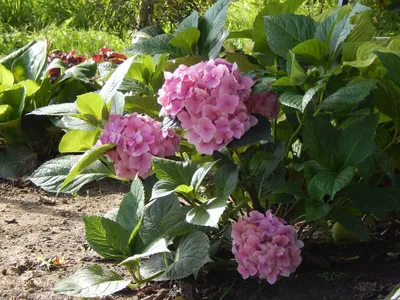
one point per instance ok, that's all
(207, 214)
(315, 209)
(108, 238)
(163, 188)
(348, 96)
(391, 62)
(82, 72)
(174, 223)
(143, 104)
(31, 63)
(324, 29)
(190, 256)
(211, 27)
(226, 180)
(132, 206)
(78, 141)
(364, 29)
(6, 77)
(320, 138)
(156, 45)
(373, 199)
(114, 82)
(285, 31)
(178, 172)
(291, 99)
(312, 51)
(8, 60)
(91, 106)
(52, 174)
(200, 174)
(56, 110)
(158, 246)
(153, 215)
(191, 21)
(186, 39)
(352, 224)
(296, 73)
(245, 63)
(330, 182)
(91, 282)
(15, 98)
(86, 160)
(17, 162)
(356, 141)
(387, 100)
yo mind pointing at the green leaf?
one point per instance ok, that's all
(387, 100)
(16, 99)
(82, 72)
(346, 97)
(178, 172)
(106, 237)
(56, 110)
(153, 215)
(315, 209)
(10, 58)
(31, 63)
(331, 182)
(6, 77)
(191, 21)
(295, 71)
(132, 206)
(320, 138)
(207, 214)
(356, 141)
(309, 95)
(114, 82)
(52, 174)
(324, 29)
(261, 132)
(312, 51)
(91, 105)
(156, 45)
(226, 180)
(200, 174)
(85, 161)
(391, 62)
(353, 224)
(158, 246)
(174, 223)
(186, 39)
(242, 34)
(77, 140)
(292, 100)
(117, 104)
(211, 27)
(143, 104)
(364, 29)
(163, 188)
(291, 188)
(373, 199)
(191, 255)
(92, 281)
(245, 63)
(285, 31)
(17, 162)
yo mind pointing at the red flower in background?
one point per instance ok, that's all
(107, 54)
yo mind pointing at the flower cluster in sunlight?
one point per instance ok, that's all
(209, 100)
(265, 104)
(138, 139)
(265, 246)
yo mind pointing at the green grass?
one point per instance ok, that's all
(63, 38)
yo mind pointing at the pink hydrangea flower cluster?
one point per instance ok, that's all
(138, 139)
(265, 104)
(209, 100)
(265, 246)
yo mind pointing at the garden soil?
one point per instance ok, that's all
(42, 240)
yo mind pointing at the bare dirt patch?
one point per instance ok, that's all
(36, 228)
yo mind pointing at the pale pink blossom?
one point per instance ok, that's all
(265, 104)
(138, 139)
(209, 100)
(264, 246)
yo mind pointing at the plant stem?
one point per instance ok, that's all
(254, 198)
(165, 259)
(394, 140)
(295, 134)
(290, 209)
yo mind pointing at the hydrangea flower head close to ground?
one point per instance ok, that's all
(138, 139)
(209, 100)
(265, 246)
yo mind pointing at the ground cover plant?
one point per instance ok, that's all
(227, 152)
